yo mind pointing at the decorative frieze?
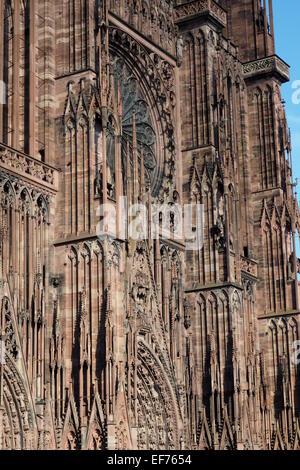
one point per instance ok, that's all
(249, 266)
(270, 65)
(25, 166)
(197, 8)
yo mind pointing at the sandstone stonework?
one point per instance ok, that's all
(113, 343)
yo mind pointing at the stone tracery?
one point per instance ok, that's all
(133, 103)
(17, 430)
(180, 345)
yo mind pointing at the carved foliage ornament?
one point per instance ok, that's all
(16, 431)
(25, 164)
(8, 333)
(157, 417)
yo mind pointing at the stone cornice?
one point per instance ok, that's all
(28, 168)
(272, 65)
(270, 315)
(213, 287)
(198, 8)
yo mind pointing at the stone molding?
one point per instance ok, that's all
(268, 65)
(25, 166)
(197, 8)
(249, 266)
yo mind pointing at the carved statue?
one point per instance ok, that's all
(179, 50)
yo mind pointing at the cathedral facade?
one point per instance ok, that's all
(122, 342)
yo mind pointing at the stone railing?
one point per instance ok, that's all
(23, 165)
(270, 65)
(190, 10)
(249, 266)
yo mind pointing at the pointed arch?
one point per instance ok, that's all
(70, 434)
(43, 209)
(25, 201)
(158, 417)
(18, 430)
(8, 194)
(227, 441)
(96, 438)
(205, 441)
(278, 442)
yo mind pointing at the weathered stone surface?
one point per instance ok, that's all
(119, 343)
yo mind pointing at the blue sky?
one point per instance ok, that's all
(287, 39)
